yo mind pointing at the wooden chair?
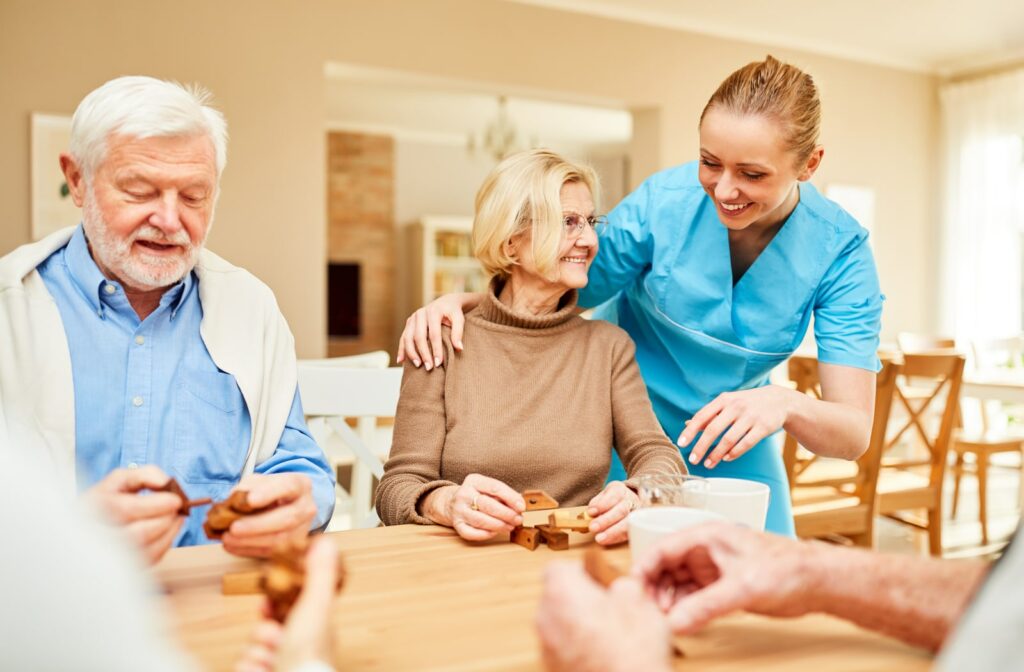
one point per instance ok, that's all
(330, 396)
(901, 485)
(987, 440)
(820, 510)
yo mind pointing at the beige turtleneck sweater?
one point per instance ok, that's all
(533, 401)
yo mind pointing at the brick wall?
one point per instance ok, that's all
(361, 229)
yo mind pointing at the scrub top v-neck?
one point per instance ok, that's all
(664, 274)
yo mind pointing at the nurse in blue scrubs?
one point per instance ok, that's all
(715, 269)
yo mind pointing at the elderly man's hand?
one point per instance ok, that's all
(609, 509)
(703, 572)
(152, 519)
(306, 634)
(582, 627)
(291, 496)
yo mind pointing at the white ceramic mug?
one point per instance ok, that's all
(741, 501)
(648, 526)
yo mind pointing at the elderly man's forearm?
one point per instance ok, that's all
(916, 600)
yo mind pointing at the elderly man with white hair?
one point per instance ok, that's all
(130, 354)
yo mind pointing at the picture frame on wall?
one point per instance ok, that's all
(52, 207)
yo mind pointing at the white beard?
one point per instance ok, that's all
(135, 266)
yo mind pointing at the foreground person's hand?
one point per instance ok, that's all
(609, 509)
(291, 517)
(701, 573)
(584, 628)
(306, 637)
(478, 509)
(150, 519)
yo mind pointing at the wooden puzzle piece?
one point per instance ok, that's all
(222, 514)
(241, 583)
(556, 539)
(567, 520)
(175, 488)
(538, 499)
(285, 575)
(598, 567)
(527, 537)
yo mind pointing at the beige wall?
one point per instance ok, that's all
(264, 61)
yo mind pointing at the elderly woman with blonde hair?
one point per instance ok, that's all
(543, 394)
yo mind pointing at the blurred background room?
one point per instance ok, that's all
(361, 129)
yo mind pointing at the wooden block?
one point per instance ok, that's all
(556, 539)
(527, 537)
(538, 499)
(241, 583)
(568, 520)
(596, 563)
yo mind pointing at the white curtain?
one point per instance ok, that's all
(983, 207)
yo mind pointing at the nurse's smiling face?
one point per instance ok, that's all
(749, 171)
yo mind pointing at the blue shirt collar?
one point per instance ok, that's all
(91, 282)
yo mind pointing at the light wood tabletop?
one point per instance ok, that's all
(419, 598)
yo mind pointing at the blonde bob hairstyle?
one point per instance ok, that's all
(521, 198)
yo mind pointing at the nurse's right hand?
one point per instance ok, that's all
(478, 509)
(421, 339)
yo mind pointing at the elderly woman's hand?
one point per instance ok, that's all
(609, 509)
(478, 509)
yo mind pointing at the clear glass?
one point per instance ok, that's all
(673, 490)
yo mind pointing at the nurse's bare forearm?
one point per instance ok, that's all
(828, 428)
(917, 600)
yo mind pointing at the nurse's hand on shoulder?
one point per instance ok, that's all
(478, 509)
(420, 341)
(152, 519)
(609, 509)
(741, 418)
(291, 515)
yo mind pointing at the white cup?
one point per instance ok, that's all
(741, 501)
(648, 526)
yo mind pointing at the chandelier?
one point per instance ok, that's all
(500, 137)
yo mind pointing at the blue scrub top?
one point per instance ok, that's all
(664, 274)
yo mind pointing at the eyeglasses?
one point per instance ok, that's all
(575, 224)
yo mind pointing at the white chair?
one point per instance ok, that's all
(330, 395)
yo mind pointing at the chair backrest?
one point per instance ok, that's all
(932, 378)
(378, 359)
(911, 342)
(803, 371)
(331, 395)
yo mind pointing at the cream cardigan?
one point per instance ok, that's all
(242, 327)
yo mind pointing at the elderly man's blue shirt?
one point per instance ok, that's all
(148, 392)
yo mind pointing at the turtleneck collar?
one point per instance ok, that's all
(491, 309)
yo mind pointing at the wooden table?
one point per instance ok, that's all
(420, 598)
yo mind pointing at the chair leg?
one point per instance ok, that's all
(983, 495)
(935, 531)
(958, 471)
